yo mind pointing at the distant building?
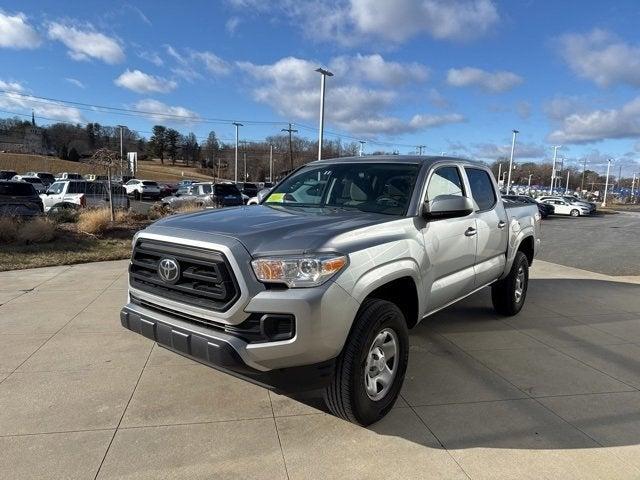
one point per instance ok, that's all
(31, 140)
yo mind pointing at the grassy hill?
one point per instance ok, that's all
(151, 169)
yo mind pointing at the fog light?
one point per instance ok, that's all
(277, 327)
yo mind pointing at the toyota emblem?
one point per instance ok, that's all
(168, 270)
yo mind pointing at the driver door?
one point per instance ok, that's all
(450, 244)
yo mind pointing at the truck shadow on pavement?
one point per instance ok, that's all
(562, 374)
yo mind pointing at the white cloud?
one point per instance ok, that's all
(191, 62)
(602, 58)
(84, 44)
(15, 32)
(351, 22)
(290, 87)
(601, 124)
(16, 99)
(437, 99)
(523, 109)
(523, 150)
(376, 69)
(495, 82)
(144, 83)
(75, 81)
(161, 112)
(151, 57)
(232, 24)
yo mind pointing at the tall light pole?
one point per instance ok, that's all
(513, 147)
(324, 73)
(566, 189)
(360, 152)
(121, 152)
(235, 178)
(584, 169)
(420, 147)
(633, 184)
(529, 184)
(270, 163)
(499, 172)
(553, 168)
(606, 183)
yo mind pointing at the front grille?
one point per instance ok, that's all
(206, 279)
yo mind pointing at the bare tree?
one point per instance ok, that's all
(109, 159)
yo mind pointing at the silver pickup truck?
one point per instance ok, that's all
(318, 285)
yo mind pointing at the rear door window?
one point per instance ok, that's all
(481, 188)
(17, 189)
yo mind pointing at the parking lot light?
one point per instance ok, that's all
(553, 168)
(235, 178)
(513, 147)
(606, 183)
(324, 73)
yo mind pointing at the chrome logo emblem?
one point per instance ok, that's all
(168, 270)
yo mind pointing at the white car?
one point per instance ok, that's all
(142, 188)
(570, 199)
(80, 193)
(562, 207)
(35, 181)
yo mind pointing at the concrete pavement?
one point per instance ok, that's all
(551, 393)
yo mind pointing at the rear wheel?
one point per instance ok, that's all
(575, 213)
(508, 295)
(371, 368)
(137, 195)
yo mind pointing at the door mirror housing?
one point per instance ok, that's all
(262, 194)
(447, 206)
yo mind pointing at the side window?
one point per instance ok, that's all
(56, 188)
(481, 188)
(206, 189)
(445, 181)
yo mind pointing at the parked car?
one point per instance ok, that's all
(544, 209)
(571, 200)
(7, 174)
(81, 194)
(248, 190)
(140, 189)
(320, 294)
(185, 182)
(563, 207)
(167, 189)
(206, 194)
(35, 181)
(19, 199)
(68, 176)
(92, 177)
(46, 177)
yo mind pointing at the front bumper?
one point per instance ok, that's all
(222, 351)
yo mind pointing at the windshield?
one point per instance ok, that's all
(147, 183)
(16, 189)
(368, 187)
(226, 190)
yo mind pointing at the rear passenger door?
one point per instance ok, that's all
(450, 243)
(491, 224)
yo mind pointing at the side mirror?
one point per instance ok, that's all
(447, 206)
(262, 194)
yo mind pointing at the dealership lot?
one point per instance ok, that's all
(551, 392)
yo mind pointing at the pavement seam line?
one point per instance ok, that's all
(275, 424)
(124, 411)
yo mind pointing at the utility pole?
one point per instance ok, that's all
(324, 73)
(566, 189)
(619, 176)
(584, 169)
(270, 163)
(235, 178)
(420, 147)
(244, 157)
(513, 147)
(290, 130)
(553, 168)
(529, 184)
(121, 153)
(362, 142)
(606, 184)
(499, 172)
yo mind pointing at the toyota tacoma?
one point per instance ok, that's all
(318, 285)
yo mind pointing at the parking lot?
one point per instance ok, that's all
(552, 392)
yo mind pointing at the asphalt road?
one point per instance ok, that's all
(608, 244)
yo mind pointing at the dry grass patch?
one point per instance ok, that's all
(94, 221)
(38, 230)
(8, 229)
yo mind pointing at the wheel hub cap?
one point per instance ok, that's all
(381, 366)
(520, 282)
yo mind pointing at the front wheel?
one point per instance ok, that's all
(575, 213)
(508, 295)
(371, 368)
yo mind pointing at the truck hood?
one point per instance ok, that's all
(267, 230)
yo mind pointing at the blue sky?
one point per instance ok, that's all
(454, 75)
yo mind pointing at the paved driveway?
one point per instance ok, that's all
(551, 393)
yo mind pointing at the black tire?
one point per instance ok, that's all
(575, 212)
(137, 196)
(503, 293)
(346, 396)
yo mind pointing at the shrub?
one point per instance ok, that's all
(64, 215)
(8, 229)
(38, 230)
(94, 221)
(158, 210)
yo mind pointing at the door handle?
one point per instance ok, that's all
(470, 232)
(501, 224)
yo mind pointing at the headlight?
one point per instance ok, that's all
(298, 271)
